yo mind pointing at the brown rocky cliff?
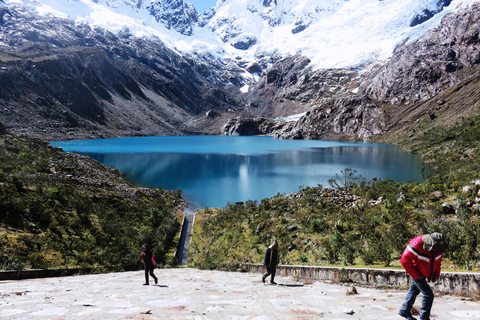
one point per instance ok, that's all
(61, 80)
(421, 70)
(418, 81)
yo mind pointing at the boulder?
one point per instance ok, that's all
(447, 208)
(291, 228)
(3, 130)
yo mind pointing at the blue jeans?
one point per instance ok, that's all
(417, 286)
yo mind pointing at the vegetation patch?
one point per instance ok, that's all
(65, 210)
(316, 229)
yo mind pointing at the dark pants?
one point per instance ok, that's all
(270, 271)
(149, 269)
(417, 286)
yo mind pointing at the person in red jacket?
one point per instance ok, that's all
(422, 259)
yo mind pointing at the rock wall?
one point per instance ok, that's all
(421, 70)
(368, 104)
(465, 284)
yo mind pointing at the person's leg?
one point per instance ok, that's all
(272, 278)
(427, 299)
(266, 274)
(146, 275)
(406, 309)
(153, 275)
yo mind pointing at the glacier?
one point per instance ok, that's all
(331, 33)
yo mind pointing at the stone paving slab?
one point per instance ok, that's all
(194, 294)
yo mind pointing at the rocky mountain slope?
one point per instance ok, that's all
(60, 80)
(419, 81)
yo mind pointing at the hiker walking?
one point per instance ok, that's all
(271, 261)
(422, 259)
(149, 261)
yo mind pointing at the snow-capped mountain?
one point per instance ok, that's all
(331, 33)
(103, 68)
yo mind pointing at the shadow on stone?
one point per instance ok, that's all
(291, 285)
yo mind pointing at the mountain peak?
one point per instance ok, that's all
(331, 33)
(175, 14)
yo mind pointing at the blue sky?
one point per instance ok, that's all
(202, 5)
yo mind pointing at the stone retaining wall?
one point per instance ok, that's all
(39, 273)
(459, 283)
(181, 234)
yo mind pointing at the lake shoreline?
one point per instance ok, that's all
(212, 171)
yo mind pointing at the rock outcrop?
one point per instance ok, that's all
(429, 12)
(329, 195)
(3, 130)
(349, 117)
(421, 70)
(175, 14)
(250, 127)
(290, 86)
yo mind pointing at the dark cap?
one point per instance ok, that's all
(434, 241)
(145, 245)
(439, 245)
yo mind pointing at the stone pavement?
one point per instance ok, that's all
(194, 294)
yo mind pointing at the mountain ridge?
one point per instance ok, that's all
(74, 83)
(331, 33)
(67, 80)
(415, 79)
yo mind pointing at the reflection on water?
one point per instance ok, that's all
(211, 179)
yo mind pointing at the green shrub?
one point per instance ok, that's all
(57, 221)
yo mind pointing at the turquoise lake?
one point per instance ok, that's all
(212, 171)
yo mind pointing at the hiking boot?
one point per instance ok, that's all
(145, 284)
(273, 282)
(263, 279)
(156, 280)
(407, 315)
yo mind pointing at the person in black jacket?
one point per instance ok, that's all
(271, 261)
(147, 257)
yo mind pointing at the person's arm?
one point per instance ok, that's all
(266, 260)
(408, 264)
(436, 273)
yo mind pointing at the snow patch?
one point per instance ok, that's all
(245, 88)
(291, 118)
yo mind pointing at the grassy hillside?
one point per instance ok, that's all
(64, 210)
(314, 228)
(445, 130)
